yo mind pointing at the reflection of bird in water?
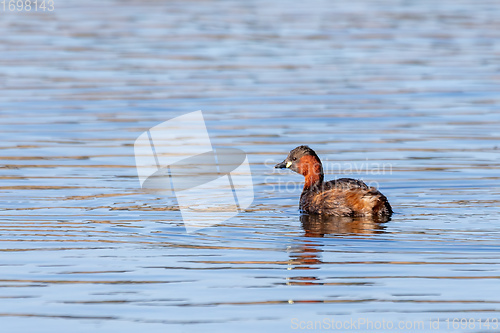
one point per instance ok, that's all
(319, 225)
(307, 256)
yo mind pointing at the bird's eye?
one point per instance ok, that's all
(295, 158)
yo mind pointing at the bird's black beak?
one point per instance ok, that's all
(282, 165)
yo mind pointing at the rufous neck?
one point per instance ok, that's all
(312, 170)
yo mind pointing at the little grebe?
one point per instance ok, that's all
(340, 197)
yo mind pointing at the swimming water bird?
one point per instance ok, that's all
(340, 197)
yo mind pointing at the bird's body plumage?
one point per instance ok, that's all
(344, 197)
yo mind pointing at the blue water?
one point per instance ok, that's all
(401, 94)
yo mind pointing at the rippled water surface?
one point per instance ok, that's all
(401, 94)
